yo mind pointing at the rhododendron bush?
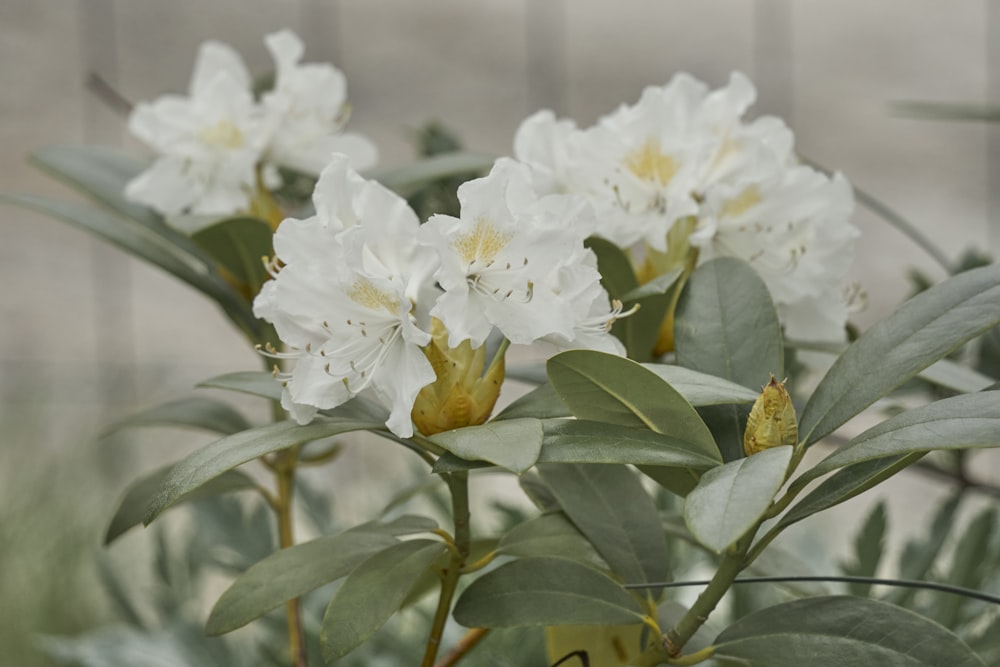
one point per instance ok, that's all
(683, 278)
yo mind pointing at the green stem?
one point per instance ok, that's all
(284, 470)
(458, 484)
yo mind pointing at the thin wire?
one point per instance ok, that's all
(901, 583)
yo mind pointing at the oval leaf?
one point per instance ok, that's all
(729, 499)
(513, 444)
(701, 389)
(608, 504)
(549, 535)
(542, 402)
(135, 500)
(578, 441)
(373, 592)
(607, 388)
(292, 572)
(197, 412)
(217, 457)
(960, 422)
(924, 329)
(255, 383)
(841, 630)
(545, 591)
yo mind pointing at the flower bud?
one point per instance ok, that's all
(772, 420)
(464, 392)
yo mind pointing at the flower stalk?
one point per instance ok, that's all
(458, 485)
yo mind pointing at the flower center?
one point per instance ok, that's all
(365, 293)
(741, 203)
(223, 134)
(482, 243)
(651, 164)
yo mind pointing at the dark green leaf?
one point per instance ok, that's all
(869, 546)
(513, 444)
(549, 535)
(541, 402)
(150, 246)
(132, 507)
(578, 441)
(255, 383)
(960, 422)
(840, 630)
(407, 179)
(373, 592)
(240, 245)
(215, 458)
(924, 329)
(196, 412)
(608, 388)
(968, 568)
(730, 499)
(726, 325)
(919, 555)
(701, 389)
(292, 572)
(847, 483)
(658, 286)
(617, 275)
(545, 591)
(678, 481)
(608, 504)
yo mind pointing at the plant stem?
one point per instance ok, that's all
(469, 642)
(284, 470)
(458, 485)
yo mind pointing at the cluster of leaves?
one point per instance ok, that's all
(600, 552)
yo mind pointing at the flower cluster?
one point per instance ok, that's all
(218, 145)
(684, 158)
(366, 297)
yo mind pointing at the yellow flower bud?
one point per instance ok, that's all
(772, 420)
(463, 394)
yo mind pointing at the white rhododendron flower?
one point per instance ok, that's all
(308, 108)
(359, 287)
(208, 142)
(684, 152)
(496, 258)
(213, 143)
(346, 300)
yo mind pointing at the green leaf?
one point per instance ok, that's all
(847, 483)
(701, 389)
(617, 275)
(549, 535)
(608, 388)
(292, 572)
(954, 376)
(513, 444)
(579, 441)
(968, 567)
(217, 457)
(924, 329)
(408, 179)
(255, 383)
(545, 591)
(726, 325)
(608, 504)
(678, 481)
(135, 500)
(658, 286)
(961, 422)
(197, 412)
(730, 499)
(151, 246)
(542, 402)
(869, 546)
(373, 592)
(239, 244)
(919, 555)
(840, 630)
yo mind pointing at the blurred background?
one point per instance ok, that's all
(89, 335)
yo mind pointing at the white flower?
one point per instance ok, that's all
(497, 259)
(308, 108)
(208, 142)
(347, 299)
